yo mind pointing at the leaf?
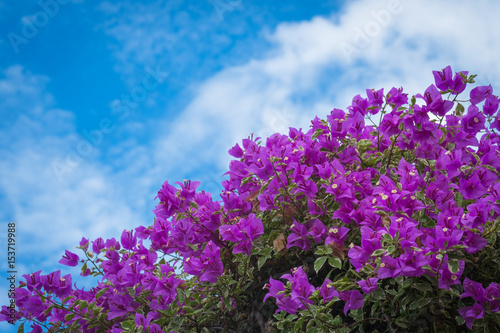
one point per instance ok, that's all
(20, 329)
(459, 110)
(378, 252)
(128, 325)
(453, 266)
(422, 287)
(69, 316)
(423, 302)
(280, 243)
(99, 294)
(318, 264)
(335, 262)
(317, 132)
(322, 250)
(262, 261)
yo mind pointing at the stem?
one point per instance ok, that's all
(286, 190)
(392, 149)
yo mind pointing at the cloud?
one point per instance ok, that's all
(307, 71)
(92, 200)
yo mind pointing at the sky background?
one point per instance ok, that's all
(102, 101)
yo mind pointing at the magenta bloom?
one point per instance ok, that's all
(490, 105)
(327, 291)
(469, 313)
(479, 94)
(318, 231)
(208, 266)
(435, 102)
(354, 300)
(299, 237)
(244, 233)
(475, 290)
(473, 121)
(369, 285)
(274, 287)
(472, 188)
(301, 288)
(128, 239)
(445, 81)
(337, 235)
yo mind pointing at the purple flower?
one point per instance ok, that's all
(236, 151)
(389, 268)
(301, 288)
(435, 102)
(490, 105)
(318, 231)
(128, 239)
(98, 245)
(155, 328)
(473, 121)
(375, 99)
(444, 80)
(33, 281)
(479, 94)
(244, 233)
(64, 288)
(298, 237)
(212, 263)
(472, 188)
(475, 290)
(288, 304)
(208, 266)
(327, 291)
(369, 285)
(274, 287)
(493, 296)
(84, 244)
(448, 278)
(411, 263)
(336, 119)
(354, 300)
(469, 313)
(337, 235)
(51, 281)
(397, 98)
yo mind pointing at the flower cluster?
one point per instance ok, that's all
(383, 216)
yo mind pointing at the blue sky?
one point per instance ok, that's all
(102, 101)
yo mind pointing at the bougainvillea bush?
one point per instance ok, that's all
(382, 217)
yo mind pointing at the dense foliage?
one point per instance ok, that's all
(380, 218)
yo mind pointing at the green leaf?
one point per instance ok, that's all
(378, 252)
(100, 293)
(317, 133)
(335, 262)
(423, 302)
(323, 250)
(20, 329)
(318, 264)
(262, 261)
(402, 322)
(459, 109)
(422, 287)
(453, 266)
(128, 325)
(67, 299)
(69, 316)
(181, 296)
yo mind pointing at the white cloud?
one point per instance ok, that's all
(307, 71)
(91, 201)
